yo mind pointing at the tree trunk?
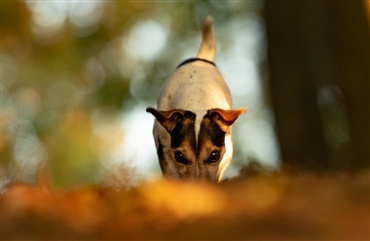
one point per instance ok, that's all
(292, 29)
(350, 48)
(310, 44)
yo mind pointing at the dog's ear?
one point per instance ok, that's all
(225, 118)
(168, 119)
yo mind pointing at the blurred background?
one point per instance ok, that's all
(76, 77)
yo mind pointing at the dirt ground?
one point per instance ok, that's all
(264, 207)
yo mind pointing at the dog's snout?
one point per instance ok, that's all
(197, 172)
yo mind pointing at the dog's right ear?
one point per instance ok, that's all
(168, 119)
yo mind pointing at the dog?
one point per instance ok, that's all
(194, 117)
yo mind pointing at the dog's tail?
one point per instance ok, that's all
(208, 47)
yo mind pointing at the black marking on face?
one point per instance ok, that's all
(184, 130)
(160, 150)
(209, 129)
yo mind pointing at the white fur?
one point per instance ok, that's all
(208, 47)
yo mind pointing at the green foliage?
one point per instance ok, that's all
(63, 58)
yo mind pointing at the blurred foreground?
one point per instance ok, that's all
(269, 206)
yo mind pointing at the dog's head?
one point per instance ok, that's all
(197, 144)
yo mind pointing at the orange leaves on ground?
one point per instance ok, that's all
(260, 207)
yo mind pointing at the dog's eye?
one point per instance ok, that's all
(180, 158)
(213, 157)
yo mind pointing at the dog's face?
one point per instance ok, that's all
(196, 143)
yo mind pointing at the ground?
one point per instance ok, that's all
(272, 206)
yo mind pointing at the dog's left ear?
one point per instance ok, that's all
(225, 118)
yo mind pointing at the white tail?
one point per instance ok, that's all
(208, 47)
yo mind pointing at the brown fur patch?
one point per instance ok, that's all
(162, 162)
(210, 130)
(184, 131)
